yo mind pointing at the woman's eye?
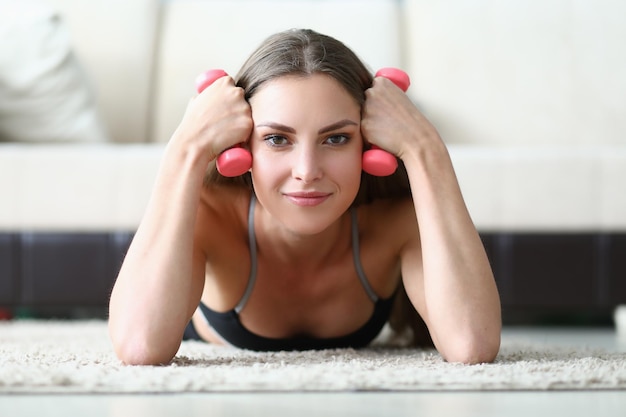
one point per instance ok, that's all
(337, 140)
(276, 140)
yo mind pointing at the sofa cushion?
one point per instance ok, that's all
(44, 93)
(72, 188)
(543, 188)
(519, 72)
(115, 41)
(199, 35)
(106, 187)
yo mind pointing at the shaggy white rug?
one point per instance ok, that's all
(76, 357)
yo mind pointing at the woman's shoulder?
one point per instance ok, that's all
(389, 209)
(386, 228)
(393, 217)
(222, 211)
(224, 200)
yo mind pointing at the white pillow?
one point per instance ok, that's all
(44, 94)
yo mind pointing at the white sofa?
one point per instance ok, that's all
(529, 96)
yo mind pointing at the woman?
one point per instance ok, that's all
(304, 251)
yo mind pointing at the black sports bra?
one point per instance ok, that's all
(228, 325)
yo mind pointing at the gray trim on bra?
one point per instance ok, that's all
(253, 257)
(356, 255)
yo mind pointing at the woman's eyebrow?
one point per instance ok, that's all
(284, 128)
(337, 125)
(277, 126)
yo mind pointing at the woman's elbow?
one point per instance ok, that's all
(138, 350)
(474, 350)
(136, 354)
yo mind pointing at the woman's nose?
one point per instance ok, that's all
(306, 165)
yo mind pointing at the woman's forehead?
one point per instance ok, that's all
(315, 92)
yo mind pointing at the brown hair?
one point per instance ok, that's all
(303, 52)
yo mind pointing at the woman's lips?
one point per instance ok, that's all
(307, 199)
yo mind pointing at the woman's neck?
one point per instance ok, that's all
(275, 241)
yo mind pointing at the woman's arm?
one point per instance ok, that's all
(160, 283)
(446, 271)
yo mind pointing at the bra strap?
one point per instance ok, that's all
(356, 255)
(253, 257)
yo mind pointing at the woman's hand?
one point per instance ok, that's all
(216, 119)
(391, 121)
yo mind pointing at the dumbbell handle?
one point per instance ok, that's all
(234, 161)
(376, 161)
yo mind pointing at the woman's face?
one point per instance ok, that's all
(306, 146)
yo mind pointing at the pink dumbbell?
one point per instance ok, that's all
(376, 161)
(236, 160)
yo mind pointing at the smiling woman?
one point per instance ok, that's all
(304, 251)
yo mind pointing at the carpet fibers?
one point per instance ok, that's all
(76, 357)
